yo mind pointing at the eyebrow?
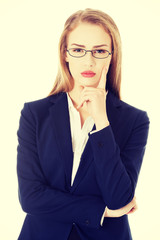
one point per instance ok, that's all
(97, 46)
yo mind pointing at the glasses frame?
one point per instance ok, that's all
(109, 53)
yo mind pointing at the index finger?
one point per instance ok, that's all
(102, 81)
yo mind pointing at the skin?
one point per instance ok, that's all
(88, 94)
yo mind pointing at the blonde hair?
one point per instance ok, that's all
(64, 80)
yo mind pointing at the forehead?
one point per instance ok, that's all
(89, 35)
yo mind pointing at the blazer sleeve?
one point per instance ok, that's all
(117, 170)
(36, 196)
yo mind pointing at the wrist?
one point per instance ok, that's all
(100, 124)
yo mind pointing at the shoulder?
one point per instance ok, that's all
(128, 111)
(40, 106)
(46, 101)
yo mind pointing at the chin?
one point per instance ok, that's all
(88, 82)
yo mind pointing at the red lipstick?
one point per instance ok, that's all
(88, 74)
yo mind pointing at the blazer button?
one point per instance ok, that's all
(100, 144)
(87, 222)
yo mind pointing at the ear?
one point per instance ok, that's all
(66, 57)
(110, 62)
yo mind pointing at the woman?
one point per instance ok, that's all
(81, 148)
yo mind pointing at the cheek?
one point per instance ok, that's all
(106, 64)
(73, 67)
(100, 65)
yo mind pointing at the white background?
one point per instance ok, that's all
(29, 34)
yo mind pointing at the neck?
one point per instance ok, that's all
(75, 95)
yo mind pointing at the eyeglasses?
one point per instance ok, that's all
(97, 53)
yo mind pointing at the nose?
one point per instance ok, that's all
(89, 60)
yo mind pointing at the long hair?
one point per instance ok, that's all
(64, 80)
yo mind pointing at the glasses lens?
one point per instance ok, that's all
(100, 53)
(77, 52)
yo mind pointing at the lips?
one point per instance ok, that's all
(88, 74)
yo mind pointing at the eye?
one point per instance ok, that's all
(78, 50)
(100, 51)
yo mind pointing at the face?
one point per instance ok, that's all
(86, 71)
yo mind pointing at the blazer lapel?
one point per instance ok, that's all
(114, 114)
(59, 117)
(86, 160)
(116, 118)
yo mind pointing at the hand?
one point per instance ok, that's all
(95, 99)
(129, 208)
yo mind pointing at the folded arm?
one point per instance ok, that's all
(117, 170)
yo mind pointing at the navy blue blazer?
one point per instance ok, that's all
(107, 174)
